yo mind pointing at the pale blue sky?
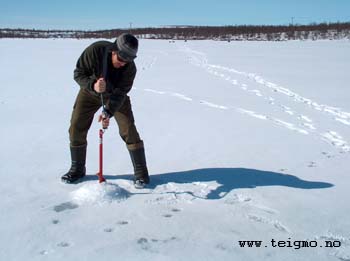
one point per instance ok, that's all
(108, 14)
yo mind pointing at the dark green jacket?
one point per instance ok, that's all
(95, 62)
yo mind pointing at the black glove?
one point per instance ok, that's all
(106, 113)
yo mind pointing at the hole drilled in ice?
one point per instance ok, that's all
(99, 193)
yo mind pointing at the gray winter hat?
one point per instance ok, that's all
(127, 46)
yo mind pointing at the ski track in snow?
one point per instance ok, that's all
(306, 125)
(279, 122)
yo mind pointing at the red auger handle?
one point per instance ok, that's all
(100, 173)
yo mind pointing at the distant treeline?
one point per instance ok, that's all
(227, 33)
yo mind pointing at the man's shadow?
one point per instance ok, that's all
(230, 179)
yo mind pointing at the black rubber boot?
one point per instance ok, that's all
(77, 169)
(138, 159)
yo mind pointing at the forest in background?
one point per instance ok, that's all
(225, 33)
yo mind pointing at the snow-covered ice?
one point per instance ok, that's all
(245, 141)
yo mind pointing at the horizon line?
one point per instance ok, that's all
(175, 26)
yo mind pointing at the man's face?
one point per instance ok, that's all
(116, 61)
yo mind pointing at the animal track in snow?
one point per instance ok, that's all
(309, 126)
(44, 252)
(346, 122)
(304, 127)
(256, 92)
(65, 206)
(153, 244)
(186, 98)
(274, 120)
(342, 253)
(123, 222)
(181, 96)
(264, 220)
(119, 223)
(174, 94)
(331, 136)
(328, 155)
(333, 237)
(289, 126)
(336, 140)
(287, 110)
(253, 114)
(199, 59)
(213, 105)
(248, 203)
(154, 91)
(243, 200)
(63, 244)
(337, 113)
(312, 164)
(55, 221)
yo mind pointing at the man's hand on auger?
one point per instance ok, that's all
(100, 85)
(104, 119)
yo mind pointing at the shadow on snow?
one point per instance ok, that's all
(228, 179)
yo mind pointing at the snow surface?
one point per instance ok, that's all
(244, 141)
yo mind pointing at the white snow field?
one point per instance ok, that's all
(245, 141)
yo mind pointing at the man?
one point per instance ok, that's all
(106, 69)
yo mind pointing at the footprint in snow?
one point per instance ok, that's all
(221, 247)
(169, 240)
(65, 206)
(122, 223)
(326, 154)
(55, 221)
(144, 243)
(151, 244)
(312, 164)
(63, 244)
(43, 252)
(175, 210)
(119, 223)
(167, 216)
(274, 223)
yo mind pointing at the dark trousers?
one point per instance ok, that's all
(86, 105)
